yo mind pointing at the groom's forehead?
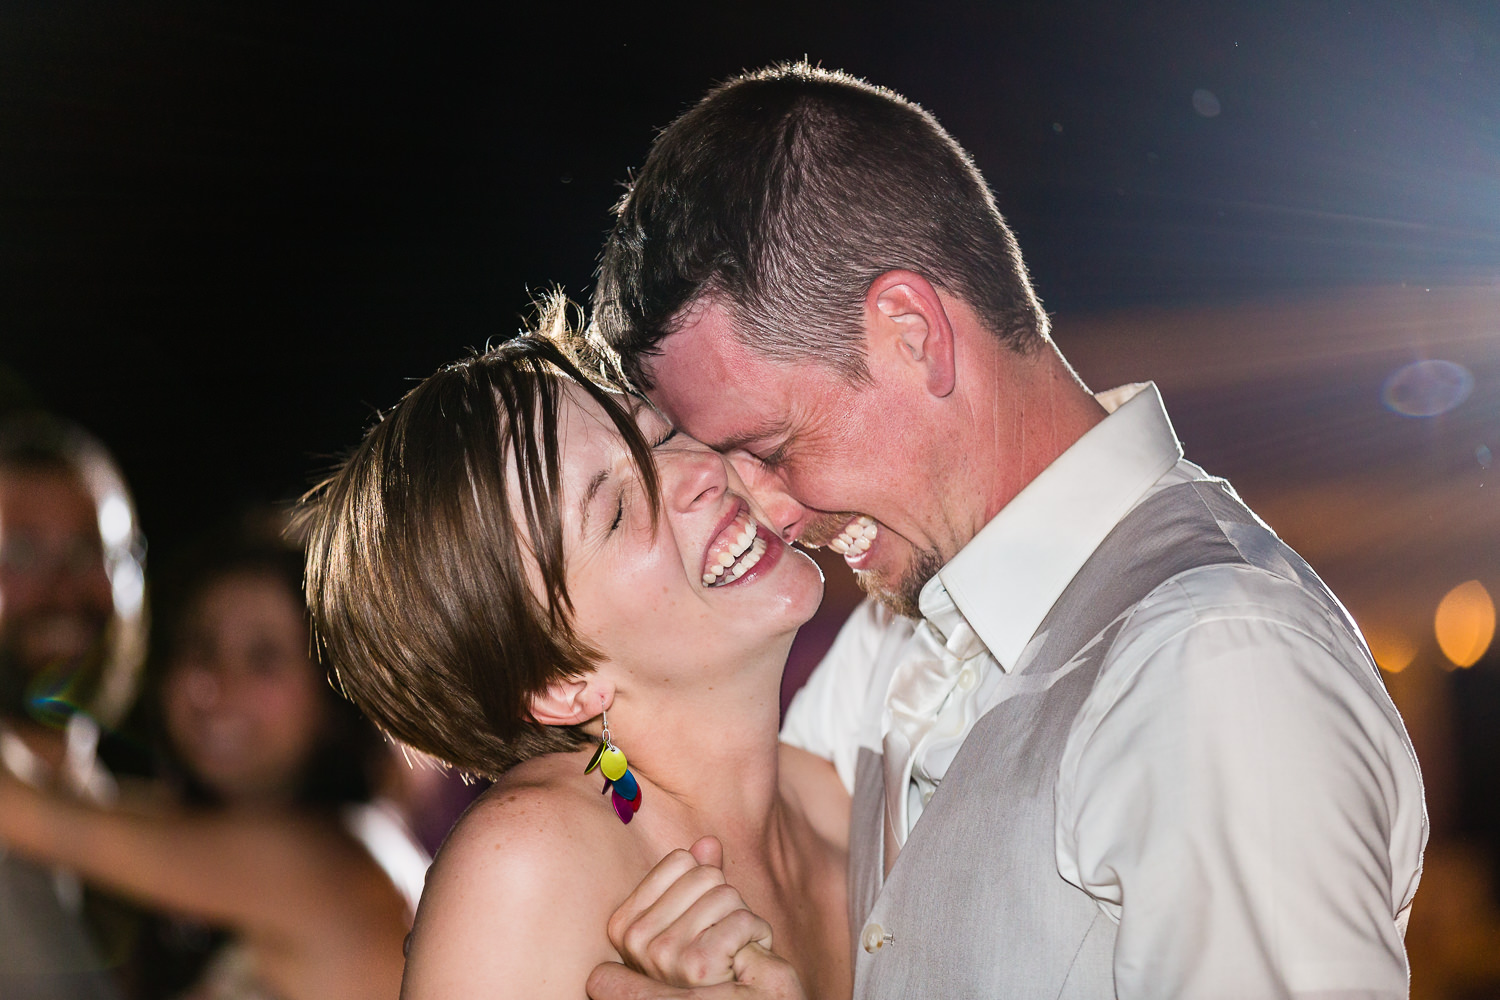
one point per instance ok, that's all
(711, 384)
(724, 414)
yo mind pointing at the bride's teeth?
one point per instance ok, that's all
(726, 559)
(708, 578)
(745, 563)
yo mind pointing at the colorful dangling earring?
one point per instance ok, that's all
(625, 791)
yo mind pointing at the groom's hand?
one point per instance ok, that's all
(684, 925)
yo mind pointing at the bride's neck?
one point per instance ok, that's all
(707, 759)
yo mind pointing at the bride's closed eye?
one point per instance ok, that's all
(668, 434)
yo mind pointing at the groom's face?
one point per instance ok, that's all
(841, 451)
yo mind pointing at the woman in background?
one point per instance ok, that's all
(271, 836)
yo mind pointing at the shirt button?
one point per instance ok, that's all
(967, 679)
(873, 938)
(927, 795)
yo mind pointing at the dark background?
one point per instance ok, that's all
(230, 231)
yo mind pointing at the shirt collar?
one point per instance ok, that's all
(1008, 577)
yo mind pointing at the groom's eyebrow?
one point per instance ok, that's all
(769, 429)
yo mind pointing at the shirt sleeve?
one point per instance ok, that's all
(838, 709)
(1239, 794)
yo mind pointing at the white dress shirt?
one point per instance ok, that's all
(1237, 792)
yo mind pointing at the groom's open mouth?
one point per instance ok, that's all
(856, 538)
(736, 550)
(850, 535)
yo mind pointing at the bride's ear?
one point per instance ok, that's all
(570, 701)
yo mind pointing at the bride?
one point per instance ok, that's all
(540, 582)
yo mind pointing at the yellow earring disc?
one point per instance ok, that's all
(612, 763)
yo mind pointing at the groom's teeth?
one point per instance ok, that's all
(857, 537)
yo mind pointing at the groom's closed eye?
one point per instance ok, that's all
(772, 460)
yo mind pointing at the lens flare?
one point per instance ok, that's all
(52, 695)
(1427, 388)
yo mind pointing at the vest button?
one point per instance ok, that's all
(874, 937)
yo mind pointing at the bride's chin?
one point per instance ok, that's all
(806, 604)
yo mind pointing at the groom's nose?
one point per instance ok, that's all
(783, 512)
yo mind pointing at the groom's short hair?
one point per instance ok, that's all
(782, 195)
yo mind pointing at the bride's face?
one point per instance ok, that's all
(707, 586)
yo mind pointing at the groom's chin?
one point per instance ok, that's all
(903, 594)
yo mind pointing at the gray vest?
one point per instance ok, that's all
(974, 905)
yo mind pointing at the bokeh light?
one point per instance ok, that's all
(115, 521)
(1206, 103)
(1465, 623)
(1427, 388)
(1393, 651)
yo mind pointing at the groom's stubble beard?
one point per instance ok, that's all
(903, 594)
(900, 595)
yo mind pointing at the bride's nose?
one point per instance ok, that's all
(691, 478)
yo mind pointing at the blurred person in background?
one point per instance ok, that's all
(72, 629)
(268, 832)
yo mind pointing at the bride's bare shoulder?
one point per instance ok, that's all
(538, 801)
(520, 893)
(812, 784)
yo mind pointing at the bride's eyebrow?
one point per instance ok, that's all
(587, 503)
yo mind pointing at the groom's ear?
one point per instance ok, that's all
(569, 701)
(907, 323)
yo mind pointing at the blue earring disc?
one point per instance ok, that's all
(627, 787)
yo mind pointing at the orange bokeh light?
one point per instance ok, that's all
(1465, 623)
(1393, 651)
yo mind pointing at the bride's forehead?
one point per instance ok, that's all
(587, 434)
(578, 406)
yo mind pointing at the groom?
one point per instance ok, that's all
(1132, 746)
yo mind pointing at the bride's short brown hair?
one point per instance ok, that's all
(417, 556)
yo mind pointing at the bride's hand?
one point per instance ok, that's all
(684, 925)
(763, 976)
